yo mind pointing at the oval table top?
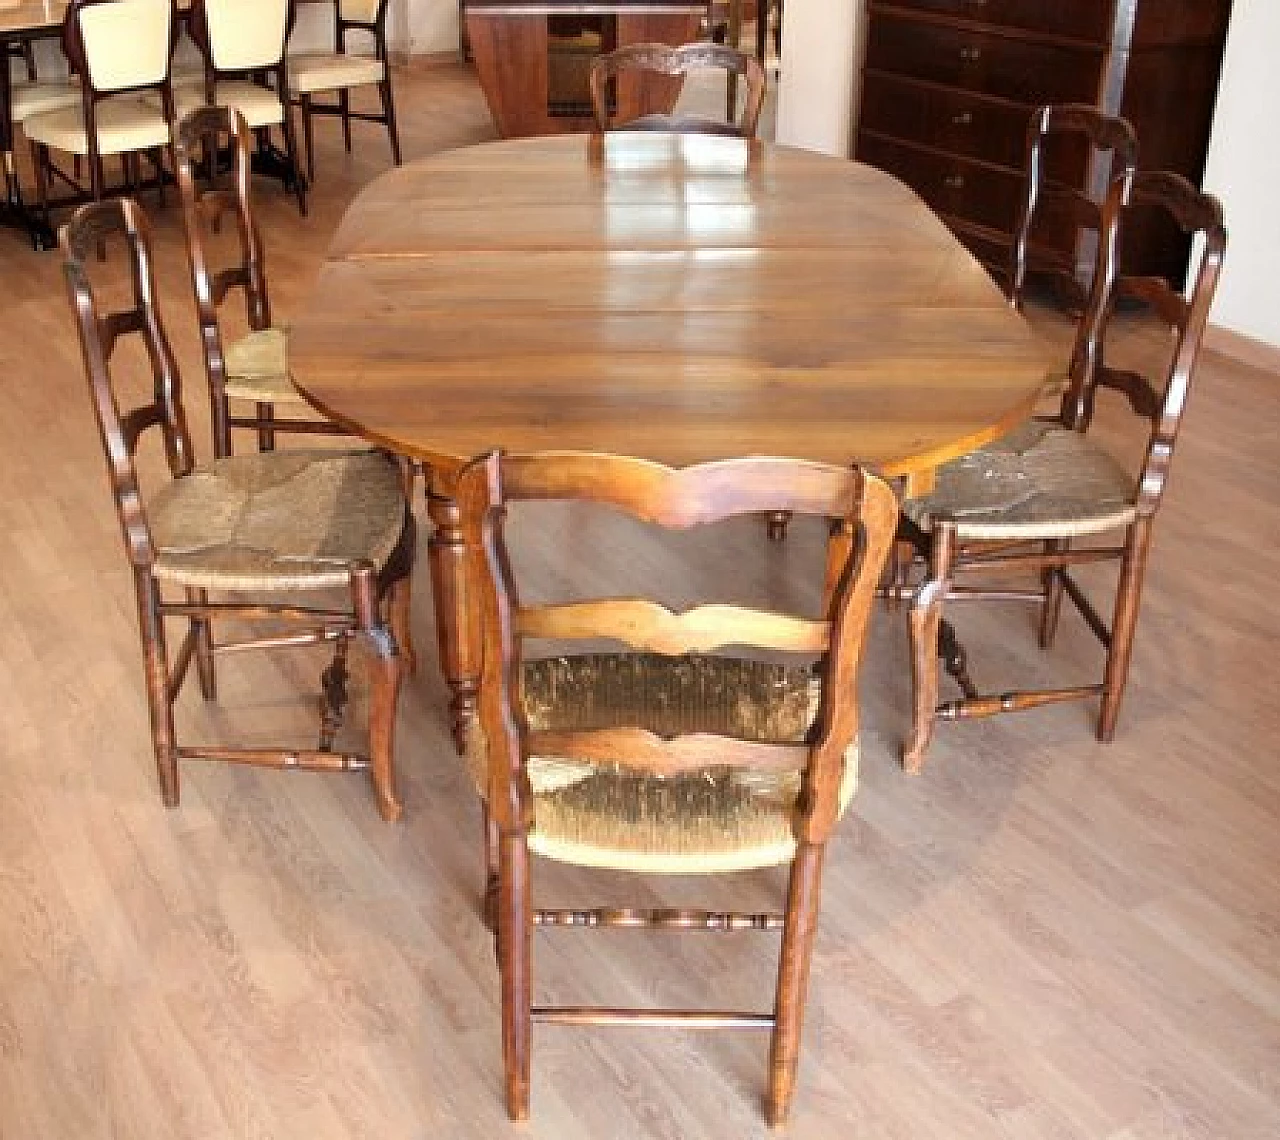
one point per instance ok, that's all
(680, 298)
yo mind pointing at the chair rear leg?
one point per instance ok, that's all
(492, 880)
(1123, 625)
(266, 433)
(291, 148)
(924, 621)
(204, 647)
(156, 663)
(515, 921)
(1051, 607)
(793, 978)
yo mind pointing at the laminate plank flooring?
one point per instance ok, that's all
(1039, 937)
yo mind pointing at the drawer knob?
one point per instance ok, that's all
(962, 119)
(954, 182)
(970, 54)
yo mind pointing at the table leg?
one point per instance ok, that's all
(457, 633)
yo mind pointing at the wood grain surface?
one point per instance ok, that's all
(677, 298)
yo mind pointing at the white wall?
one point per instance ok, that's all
(821, 54)
(1244, 171)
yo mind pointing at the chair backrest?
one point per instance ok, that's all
(1092, 141)
(200, 134)
(1185, 312)
(666, 60)
(90, 228)
(862, 512)
(362, 11)
(241, 35)
(119, 45)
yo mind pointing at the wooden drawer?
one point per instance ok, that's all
(1024, 71)
(1088, 20)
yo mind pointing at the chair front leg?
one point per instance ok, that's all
(1123, 625)
(1051, 607)
(156, 664)
(389, 113)
(384, 689)
(308, 134)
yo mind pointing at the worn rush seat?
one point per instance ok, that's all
(254, 368)
(674, 755)
(1050, 483)
(251, 530)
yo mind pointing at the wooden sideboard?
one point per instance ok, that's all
(511, 42)
(948, 86)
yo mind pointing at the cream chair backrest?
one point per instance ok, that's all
(359, 11)
(127, 43)
(245, 34)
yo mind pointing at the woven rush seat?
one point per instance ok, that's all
(258, 368)
(284, 520)
(316, 72)
(1040, 481)
(713, 820)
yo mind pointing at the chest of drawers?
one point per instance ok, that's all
(948, 86)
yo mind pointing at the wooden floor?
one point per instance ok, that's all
(1040, 937)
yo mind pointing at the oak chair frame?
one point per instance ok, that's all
(1105, 135)
(73, 47)
(377, 29)
(1163, 404)
(198, 144)
(862, 512)
(677, 61)
(373, 592)
(276, 72)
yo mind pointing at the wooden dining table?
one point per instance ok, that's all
(679, 298)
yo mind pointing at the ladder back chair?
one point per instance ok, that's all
(244, 47)
(669, 757)
(253, 369)
(677, 61)
(123, 103)
(341, 71)
(241, 537)
(1023, 503)
(1076, 136)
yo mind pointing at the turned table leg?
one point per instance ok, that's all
(455, 627)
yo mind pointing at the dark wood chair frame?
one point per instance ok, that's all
(74, 49)
(1163, 404)
(676, 61)
(862, 512)
(198, 147)
(274, 77)
(373, 593)
(377, 29)
(1113, 153)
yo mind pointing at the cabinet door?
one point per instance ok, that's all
(1024, 71)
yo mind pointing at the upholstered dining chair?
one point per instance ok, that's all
(1079, 137)
(244, 46)
(341, 71)
(252, 370)
(242, 537)
(1045, 498)
(670, 756)
(665, 60)
(120, 50)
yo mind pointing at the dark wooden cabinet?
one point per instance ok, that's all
(948, 87)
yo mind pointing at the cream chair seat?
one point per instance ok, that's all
(323, 72)
(260, 106)
(27, 99)
(124, 123)
(258, 369)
